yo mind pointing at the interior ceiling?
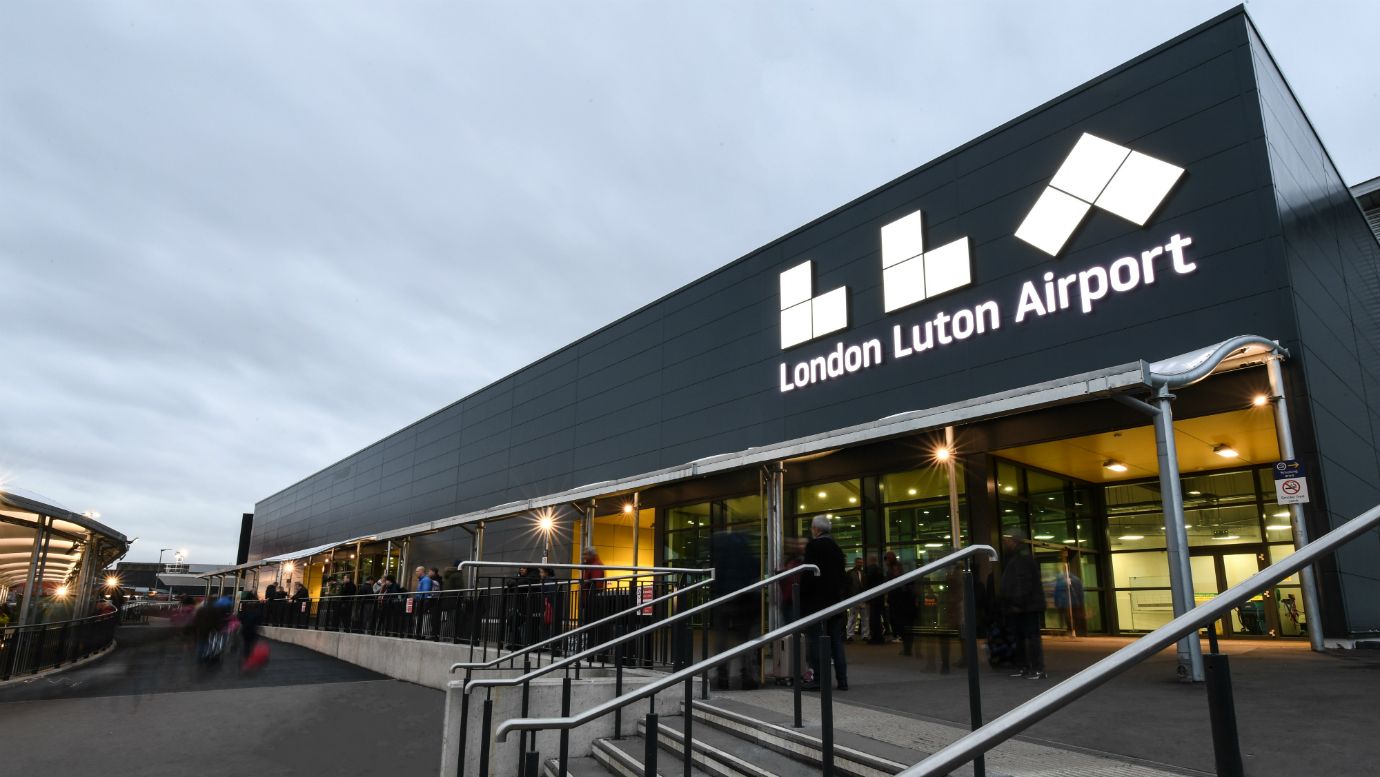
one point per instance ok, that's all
(1251, 432)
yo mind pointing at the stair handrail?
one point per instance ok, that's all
(498, 682)
(1002, 728)
(471, 665)
(710, 662)
(613, 567)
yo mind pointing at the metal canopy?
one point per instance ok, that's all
(22, 518)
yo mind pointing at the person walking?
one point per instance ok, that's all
(1023, 602)
(901, 605)
(857, 624)
(345, 604)
(818, 593)
(421, 603)
(873, 577)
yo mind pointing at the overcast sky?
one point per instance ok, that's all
(239, 241)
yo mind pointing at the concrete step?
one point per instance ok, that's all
(625, 758)
(723, 754)
(801, 749)
(870, 742)
(584, 766)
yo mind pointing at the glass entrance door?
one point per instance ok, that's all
(1215, 572)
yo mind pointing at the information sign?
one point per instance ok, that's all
(1291, 487)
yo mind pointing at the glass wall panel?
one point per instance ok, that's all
(916, 514)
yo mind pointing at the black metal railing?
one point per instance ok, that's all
(677, 628)
(801, 625)
(1226, 747)
(501, 613)
(25, 650)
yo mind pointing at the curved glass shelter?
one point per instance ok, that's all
(50, 557)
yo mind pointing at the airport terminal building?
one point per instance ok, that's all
(1013, 308)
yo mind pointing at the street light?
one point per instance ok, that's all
(161, 551)
(546, 524)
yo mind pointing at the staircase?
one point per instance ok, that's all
(749, 734)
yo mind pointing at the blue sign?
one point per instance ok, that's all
(1288, 469)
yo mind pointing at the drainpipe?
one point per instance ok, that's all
(1285, 435)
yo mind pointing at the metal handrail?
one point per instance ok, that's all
(541, 724)
(1026, 715)
(615, 567)
(452, 591)
(588, 626)
(603, 648)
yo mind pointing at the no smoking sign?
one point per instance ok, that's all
(1291, 487)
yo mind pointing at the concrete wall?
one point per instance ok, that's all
(416, 661)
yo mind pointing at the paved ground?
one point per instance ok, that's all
(147, 709)
(1300, 713)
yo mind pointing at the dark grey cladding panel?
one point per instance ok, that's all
(1333, 265)
(487, 465)
(560, 442)
(632, 426)
(481, 438)
(559, 422)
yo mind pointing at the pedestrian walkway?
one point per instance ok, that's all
(1299, 712)
(148, 709)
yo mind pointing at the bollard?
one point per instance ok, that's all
(797, 678)
(1226, 747)
(618, 682)
(531, 764)
(464, 728)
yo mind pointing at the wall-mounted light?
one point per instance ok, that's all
(112, 581)
(1260, 400)
(942, 453)
(1225, 451)
(1114, 465)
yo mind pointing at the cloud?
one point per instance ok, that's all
(241, 241)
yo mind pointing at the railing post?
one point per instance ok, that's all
(1226, 746)
(970, 651)
(565, 732)
(649, 752)
(526, 694)
(464, 727)
(704, 654)
(531, 764)
(797, 678)
(689, 713)
(486, 735)
(618, 682)
(823, 676)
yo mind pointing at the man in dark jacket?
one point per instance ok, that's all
(1023, 601)
(817, 593)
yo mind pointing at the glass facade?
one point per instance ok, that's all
(1234, 528)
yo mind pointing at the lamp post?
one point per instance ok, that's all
(161, 551)
(546, 524)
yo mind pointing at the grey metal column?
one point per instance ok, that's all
(24, 606)
(1176, 536)
(1284, 433)
(359, 561)
(773, 484)
(403, 560)
(388, 559)
(637, 527)
(81, 598)
(955, 523)
(587, 541)
(477, 552)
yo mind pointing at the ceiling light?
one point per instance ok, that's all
(1222, 534)
(934, 544)
(1068, 542)
(1282, 514)
(1131, 537)
(1008, 489)
(822, 494)
(852, 500)
(1044, 536)
(802, 507)
(1278, 527)
(1195, 493)
(1225, 451)
(911, 491)
(1114, 465)
(1260, 400)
